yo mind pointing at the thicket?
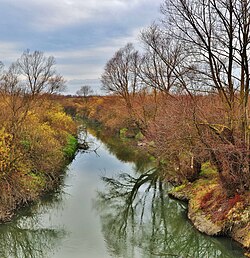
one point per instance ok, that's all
(178, 130)
(32, 160)
(36, 136)
(188, 90)
(185, 96)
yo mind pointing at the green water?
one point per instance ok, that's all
(109, 206)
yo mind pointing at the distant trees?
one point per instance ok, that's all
(84, 91)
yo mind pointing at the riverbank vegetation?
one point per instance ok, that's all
(185, 97)
(171, 137)
(36, 135)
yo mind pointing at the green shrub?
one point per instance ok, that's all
(123, 132)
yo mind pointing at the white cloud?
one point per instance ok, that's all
(80, 72)
(49, 15)
(88, 63)
(100, 51)
(9, 52)
(104, 27)
(85, 63)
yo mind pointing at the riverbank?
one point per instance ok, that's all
(52, 227)
(209, 209)
(33, 157)
(172, 138)
(34, 186)
(212, 212)
(129, 149)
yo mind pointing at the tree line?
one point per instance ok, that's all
(197, 57)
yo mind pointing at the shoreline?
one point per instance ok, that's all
(214, 214)
(230, 217)
(10, 209)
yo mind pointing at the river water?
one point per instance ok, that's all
(111, 205)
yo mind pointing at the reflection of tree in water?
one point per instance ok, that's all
(28, 243)
(26, 238)
(137, 217)
(125, 151)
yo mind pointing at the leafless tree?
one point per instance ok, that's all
(14, 96)
(24, 81)
(84, 91)
(165, 65)
(120, 74)
(39, 73)
(217, 33)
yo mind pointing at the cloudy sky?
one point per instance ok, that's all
(81, 34)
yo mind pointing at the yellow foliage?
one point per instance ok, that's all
(32, 156)
(45, 149)
(61, 122)
(5, 150)
(12, 161)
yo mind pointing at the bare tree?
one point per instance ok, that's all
(164, 66)
(217, 33)
(14, 96)
(25, 80)
(39, 73)
(84, 91)
(120, 74)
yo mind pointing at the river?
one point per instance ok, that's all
(109, 207)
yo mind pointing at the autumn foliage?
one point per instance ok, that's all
(32, 158)
(182, 132)
(34, 131)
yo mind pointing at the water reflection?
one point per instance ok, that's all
(137, 218)
(25, 237)
(139, 221)
(123, 149)
(27, 242)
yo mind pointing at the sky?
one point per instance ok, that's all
(82, 35)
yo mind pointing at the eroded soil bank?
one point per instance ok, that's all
(212, 212)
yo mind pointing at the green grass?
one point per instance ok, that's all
(178, 188)
(71, 147)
